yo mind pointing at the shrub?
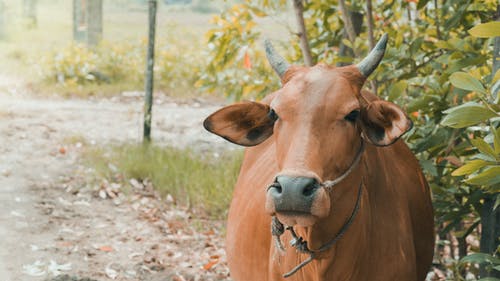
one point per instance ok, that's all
(177, 65)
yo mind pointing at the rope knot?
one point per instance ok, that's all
(277, 228)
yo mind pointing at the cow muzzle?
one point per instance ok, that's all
(297, 200)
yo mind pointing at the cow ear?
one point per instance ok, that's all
(383, 122)
(246, 123)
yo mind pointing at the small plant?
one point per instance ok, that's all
(203, 182)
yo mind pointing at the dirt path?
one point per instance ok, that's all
(54, 223)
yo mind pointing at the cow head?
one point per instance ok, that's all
(318, 121)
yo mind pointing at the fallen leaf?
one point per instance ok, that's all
(102, 194)
(136, 184)
(178, 278)
(65, 244)
(209, 232)
(111, 273)
(133, 255)
(246, 62)
(111, 193)
(213, 261)
(62, 150)
(56, 269)
(106, 249)
(17, 214)
(169, 198)
(35, 269)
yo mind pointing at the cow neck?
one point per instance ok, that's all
(298, 242)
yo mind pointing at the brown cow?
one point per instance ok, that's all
(328, 178)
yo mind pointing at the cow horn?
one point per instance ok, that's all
(278, 63)
(370, 62)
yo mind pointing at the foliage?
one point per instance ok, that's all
(482, 259)
(203, 182)
(437, 71)
(481, 121)
(235, 66)
(177, 65)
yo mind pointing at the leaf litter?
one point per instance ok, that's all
(142, 238)
(66, 212)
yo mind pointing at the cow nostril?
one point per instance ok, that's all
(276, 186)
(309, 190)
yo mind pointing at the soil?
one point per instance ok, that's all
(58, 223)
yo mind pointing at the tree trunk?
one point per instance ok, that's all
(304, 43)
(148, 98)
(369, 19)
(490, 217)
(29, 13)
(490, 221)
(371, 39)
(496, 58)
(2, 20)
(95, 22)
(353, 22)
(87, 21)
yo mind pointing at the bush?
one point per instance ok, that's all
(123, 64)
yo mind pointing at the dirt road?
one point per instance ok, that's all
(53, 223)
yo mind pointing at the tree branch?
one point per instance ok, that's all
(348, 27)
(353, 22)
(371, 39)
(369, 19)
(304, 43)
(436, 14)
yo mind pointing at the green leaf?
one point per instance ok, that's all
(466, 115)
(257, 12)
(347, 42)
(478, 7)
(484, 147)
(415, 45)
(480, 258)
(429, 166)
(497, 202)
(466, 81)
(496, 139)
(496, 77)
(490, 278)
(443, 45)
(422, 4)
(486, 30)
(397, 89)
(489, 176)
(470, 167)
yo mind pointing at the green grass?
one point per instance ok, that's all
(203, 182)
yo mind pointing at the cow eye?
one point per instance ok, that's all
(351, 117)
(272, 115)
